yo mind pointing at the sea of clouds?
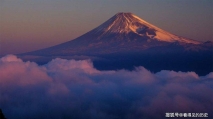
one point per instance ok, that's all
(65, 89)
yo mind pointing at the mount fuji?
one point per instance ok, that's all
(126, 41)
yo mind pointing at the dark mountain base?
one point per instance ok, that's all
(199, 62)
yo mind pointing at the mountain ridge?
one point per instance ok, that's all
(122, 32)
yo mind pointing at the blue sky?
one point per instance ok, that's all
(42, 23)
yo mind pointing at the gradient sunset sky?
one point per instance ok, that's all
(27, 25)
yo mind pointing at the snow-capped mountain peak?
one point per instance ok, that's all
(123, 33)
(124, 23)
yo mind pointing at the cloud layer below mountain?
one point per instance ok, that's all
(64, 89)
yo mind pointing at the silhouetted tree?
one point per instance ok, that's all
(1, 115)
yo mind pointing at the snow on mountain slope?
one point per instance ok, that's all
(128, 22)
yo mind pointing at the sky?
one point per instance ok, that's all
(27, 25)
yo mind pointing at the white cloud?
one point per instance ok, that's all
(75, 89)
